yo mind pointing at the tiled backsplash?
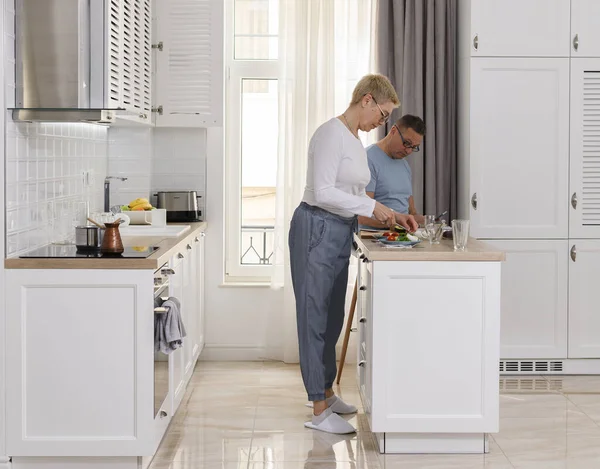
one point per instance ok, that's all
(45, 166)
(130, 156)
(179, 161)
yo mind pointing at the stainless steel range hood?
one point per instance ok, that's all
(62, 52)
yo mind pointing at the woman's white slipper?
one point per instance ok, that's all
(337, 405)
(329, 422)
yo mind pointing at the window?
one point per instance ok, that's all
(251, 131)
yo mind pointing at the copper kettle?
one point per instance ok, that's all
(112, 244)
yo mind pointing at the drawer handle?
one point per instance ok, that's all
(362, 363)
(160, 310)
(474, 201)
(180, 256)
(189, 248)
(365, 260)
(574, 200)
(573, 253)
(362, 288)
(353, 329)
(476, 42)
(576, 42)
(162, 414)
(167, 272)
(197, 240)
(203, 234)
(362, 320)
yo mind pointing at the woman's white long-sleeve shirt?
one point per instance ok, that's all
(338, 172)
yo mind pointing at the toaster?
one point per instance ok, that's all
(181, 206)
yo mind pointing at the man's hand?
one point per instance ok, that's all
(407, 221)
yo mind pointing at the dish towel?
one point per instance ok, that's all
(169, 330)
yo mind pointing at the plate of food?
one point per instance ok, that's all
(393, 238)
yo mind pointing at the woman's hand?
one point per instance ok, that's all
(384, 215)
(407, 221)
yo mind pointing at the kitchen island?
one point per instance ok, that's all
(429, 344)
(85, 387)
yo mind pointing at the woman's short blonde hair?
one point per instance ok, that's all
(378, 86)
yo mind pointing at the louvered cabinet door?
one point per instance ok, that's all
(189, 65)
(584, 220)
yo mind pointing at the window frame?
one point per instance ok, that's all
(237, 71)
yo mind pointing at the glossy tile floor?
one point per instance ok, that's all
(250, 415)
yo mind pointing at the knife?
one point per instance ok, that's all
(441, 215)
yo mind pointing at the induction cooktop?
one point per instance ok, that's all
(71, 251)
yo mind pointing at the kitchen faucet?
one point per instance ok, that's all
(107, 190)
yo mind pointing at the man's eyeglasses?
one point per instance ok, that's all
(408, 145)
(384, 117)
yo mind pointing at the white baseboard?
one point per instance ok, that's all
(233, 353)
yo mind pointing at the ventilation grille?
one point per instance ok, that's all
(591, 148)
(190, 57)
(530, 366)
(529, 384)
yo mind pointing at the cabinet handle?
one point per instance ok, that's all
(189, 247)
(476, 42)
(162, 414)
(180, 256)
(573, 253)
(362, 363)
(576, 42)
(160, 310)
(362, 320)
(574, 200)
(167, 272)
(365, 260)
(353, 329)
(362, 256)
(203, 234)
(362, 288)
(160, 46)
(474, 201)
(197, 240)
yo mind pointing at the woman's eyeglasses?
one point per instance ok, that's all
(384, 117)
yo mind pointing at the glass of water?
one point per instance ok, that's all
(460, 234)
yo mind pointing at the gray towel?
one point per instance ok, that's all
(169, 330)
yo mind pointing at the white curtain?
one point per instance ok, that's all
(324, 49)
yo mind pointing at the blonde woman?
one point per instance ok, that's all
(320, 240)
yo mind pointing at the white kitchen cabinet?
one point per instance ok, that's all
(584, 299)
(585, 33)
(519, 147)
(80, 375)
(365, 327)
(198, 288)
(534, 298)
(584, 218)
(188, 43)
(519, 28)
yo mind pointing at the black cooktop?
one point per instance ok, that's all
(71, 251)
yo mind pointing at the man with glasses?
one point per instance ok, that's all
(391, 177)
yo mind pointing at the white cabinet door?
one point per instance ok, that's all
(199, 292)
(189, 310)
(519, 147)
(520, 28)
(585, 40)
(177, 357)
(584, 218)
(534, 299)
(189, 69)
(584, 299)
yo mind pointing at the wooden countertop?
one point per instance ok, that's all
(476, 251)
(167, 247)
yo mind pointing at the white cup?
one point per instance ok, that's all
(159, 217)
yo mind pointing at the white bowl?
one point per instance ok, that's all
(139, 217)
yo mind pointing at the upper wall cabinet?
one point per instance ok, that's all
(189, 63)
(585, 29)
(521, 28)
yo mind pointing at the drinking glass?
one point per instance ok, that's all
(460, 234)
(437, 230)
(428, 226)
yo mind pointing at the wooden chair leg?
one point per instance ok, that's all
(347, 333)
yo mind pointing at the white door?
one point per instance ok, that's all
(188, 88)
(519, 148)
(585, 33)
(584, 218)
(534, 299)
(520, 28)
(584, 299)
